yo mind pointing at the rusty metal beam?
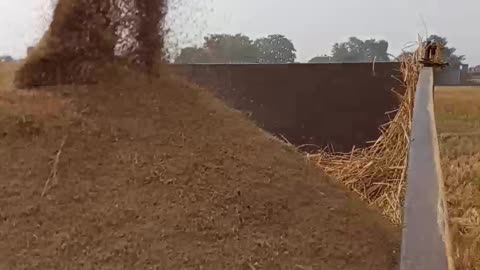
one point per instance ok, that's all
(425, 239)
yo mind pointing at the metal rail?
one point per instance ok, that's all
(425, 239)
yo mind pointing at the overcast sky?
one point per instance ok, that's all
(313, 25)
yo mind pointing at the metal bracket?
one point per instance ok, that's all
(433, 55)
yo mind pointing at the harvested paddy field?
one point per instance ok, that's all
(457, 111)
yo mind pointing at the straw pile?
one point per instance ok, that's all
(377, 173)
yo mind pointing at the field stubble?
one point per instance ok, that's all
(458, 122)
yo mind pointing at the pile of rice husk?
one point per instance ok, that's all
(378, 173)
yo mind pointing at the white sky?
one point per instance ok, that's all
(313, 25)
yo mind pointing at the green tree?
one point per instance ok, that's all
(448, 53)
(225, 48)
(321, 59)
(275, 49)
(6, 58)
(221, 48)
(403, 55)
(190, 55)
(357, 50)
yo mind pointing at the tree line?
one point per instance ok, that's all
(6, 59)
(278, 49)
(224, 48)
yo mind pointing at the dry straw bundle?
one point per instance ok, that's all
(377, 173)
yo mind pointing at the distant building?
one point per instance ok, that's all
(474, 75)
(475, 69)
(452, 75)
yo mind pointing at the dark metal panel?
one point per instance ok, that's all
(313, 105)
